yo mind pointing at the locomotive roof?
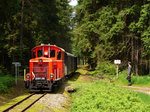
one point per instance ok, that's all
(69, 54)
(49, 45)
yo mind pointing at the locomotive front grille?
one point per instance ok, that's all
(41, 71)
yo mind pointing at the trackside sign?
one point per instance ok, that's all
(117, 62)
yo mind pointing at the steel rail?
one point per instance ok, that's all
(33, 102)
(6, 110)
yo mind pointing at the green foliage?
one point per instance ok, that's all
(136, 80)
(146, 40)
(100, 96)
(6, 82)
(108, 30)
(3, 71)
(122, 80)
(105, 68)
(144, 97)
(141, 80)
(43, 22)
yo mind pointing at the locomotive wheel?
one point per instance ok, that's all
(27, 84)
(30, 87)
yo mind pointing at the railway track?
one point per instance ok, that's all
(18, 103)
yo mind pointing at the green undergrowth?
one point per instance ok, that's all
(79, 76)
(136, 80)
(144, 97)
(82, 69)
(106, 97)
(107, 70)
(104, 68)
(6, 82)
(141, 81)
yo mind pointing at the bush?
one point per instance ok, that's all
(136, 80)
(5, 83)
(101, 96)
(105, 68)
(3, 70)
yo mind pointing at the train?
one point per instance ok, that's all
(48, 66)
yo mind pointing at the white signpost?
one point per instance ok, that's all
(117, 62)
(17, 65)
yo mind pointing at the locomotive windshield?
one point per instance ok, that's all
(52, 53)
(39, 53)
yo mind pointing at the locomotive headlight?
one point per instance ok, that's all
(40, 60)
(28, 76)
(51, 75)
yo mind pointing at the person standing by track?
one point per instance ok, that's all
(129, 73)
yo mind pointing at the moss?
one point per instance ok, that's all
(65, 106)
(82, 71)
(39, 108)
(12, 102)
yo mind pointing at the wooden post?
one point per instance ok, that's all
(24, 73)
(117, 71)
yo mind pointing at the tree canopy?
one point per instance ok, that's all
(101, 30)
(27, 23)
(113, 29)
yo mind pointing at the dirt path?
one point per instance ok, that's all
(145, 90)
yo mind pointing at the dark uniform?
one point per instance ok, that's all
(129, 74)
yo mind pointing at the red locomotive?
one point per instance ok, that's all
(49, 65)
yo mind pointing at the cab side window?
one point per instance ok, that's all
(59, 55)
(39, 53)
(52, 53)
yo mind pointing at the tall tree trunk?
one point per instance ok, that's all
(94, 4)
(137, 57)
(78, 60)
(132, 52)
(83, 60)
(22, 22)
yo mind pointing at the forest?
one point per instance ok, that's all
(97, 32)
(100, 30)
(25, 24)
(113, 29)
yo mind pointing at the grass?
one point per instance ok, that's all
(108, 71)
(136, 80)
(12, 90)
(102, 96)
(6, 82)
(98, 96)
(13, 101)
(145, 98)
(141, 80)
(82, 69)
